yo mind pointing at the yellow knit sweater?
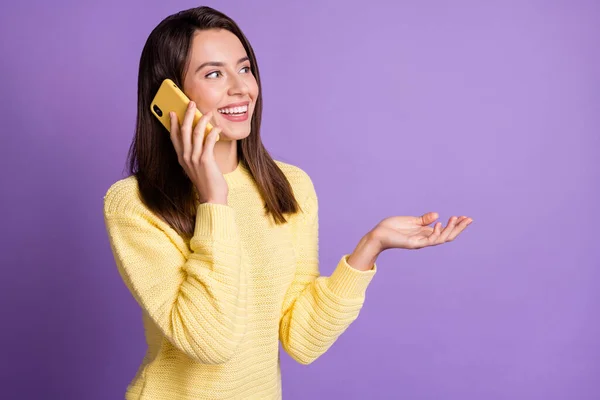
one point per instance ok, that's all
(215, 307)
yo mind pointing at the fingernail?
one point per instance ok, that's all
(191, 105)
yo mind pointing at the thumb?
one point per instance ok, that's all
(427, 218)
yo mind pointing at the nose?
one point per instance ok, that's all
(237, 86)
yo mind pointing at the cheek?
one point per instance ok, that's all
(253, 87)
(207, 98)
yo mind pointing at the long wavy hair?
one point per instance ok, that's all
(164, 186)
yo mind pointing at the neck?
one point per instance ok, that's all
(226, 155)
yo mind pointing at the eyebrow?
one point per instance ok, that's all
(219, 64)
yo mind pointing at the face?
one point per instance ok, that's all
(219, 79)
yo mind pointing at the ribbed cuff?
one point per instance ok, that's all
(215, 221)
(348, 282)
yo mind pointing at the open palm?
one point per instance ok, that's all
(415, 233)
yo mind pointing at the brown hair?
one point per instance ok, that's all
(164, 186)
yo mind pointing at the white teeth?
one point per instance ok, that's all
(234, 110)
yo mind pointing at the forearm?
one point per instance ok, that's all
(198, 301)
(317, 311)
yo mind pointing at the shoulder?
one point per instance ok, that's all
(301, 182)
(123, 199)
(304, 191)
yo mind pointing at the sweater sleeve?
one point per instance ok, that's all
(198, 301)
(318, 309)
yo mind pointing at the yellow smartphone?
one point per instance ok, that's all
(170, 98)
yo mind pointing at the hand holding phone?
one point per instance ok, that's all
(194, 141)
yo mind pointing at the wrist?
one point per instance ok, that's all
(216, 201)
(365, 254)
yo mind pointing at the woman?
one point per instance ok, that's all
(217, 242)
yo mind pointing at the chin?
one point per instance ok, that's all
(235, 134)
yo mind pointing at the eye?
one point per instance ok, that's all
(211, 75)
(247, 69)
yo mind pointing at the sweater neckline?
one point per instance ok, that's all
(238, 176)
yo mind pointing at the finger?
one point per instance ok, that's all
(437, 230)
(186, 131)
(459, 228)
(198, 136)
(447, 230)
(175, 133)
(211, 139)
(427, 218)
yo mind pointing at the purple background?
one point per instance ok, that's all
(489, 109)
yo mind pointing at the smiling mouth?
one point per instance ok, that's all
(234, 111)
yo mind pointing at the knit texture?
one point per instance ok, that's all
(215, 307)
